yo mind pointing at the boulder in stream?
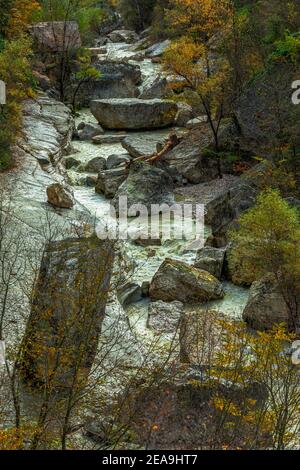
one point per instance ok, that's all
(95, 165)
(146, 184)
(109, 181)
(60, 195)
(134, 113)
(211, 259)
(154, 87)
(86, 131)
(266, 306)
(177, 280)
(138, 146)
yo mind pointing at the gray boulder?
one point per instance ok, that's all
(68, 308)
(56, 36)
(184, 114)
(146, 185)
(129, 293)
(196, 122)
(60, 196)
(134, 113)
(190, 159)
(138, 146)
(176, 280)
(266, 306)
(154, 87)
(117, 159)
(164, 317)
(109, 181)
(118, 80)
(88, 131)
(95, 165)
(212, 260)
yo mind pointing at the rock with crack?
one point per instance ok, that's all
(165, 317)
(145, 186)
(67, 311)
(176, 280)
(134, 113)
(109, 181)
(60, 195)
(212, 260)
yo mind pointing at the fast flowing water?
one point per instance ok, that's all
(147, 259)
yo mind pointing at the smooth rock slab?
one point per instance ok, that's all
(133, 113)
(176, 280)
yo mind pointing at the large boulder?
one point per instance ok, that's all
(138, 146)
(146, 185)
(266, 305)
(60, 195)
(56, 36)
(176, 280)
(109, 181)
(190, 160)
(165, 317)
(134, 113)
(118, 80)
(68, 307)
(212, 260)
